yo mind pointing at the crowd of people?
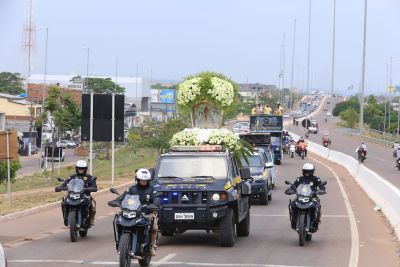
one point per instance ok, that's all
(259, 109)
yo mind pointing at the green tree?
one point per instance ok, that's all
(14, 166)
(63, 112)
(11, 83)
(350, 116)
(102, 85)
(352, 103)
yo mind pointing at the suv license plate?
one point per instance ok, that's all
(184, 216)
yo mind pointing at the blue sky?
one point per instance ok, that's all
(174, 38)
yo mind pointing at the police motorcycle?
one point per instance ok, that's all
(306, 205)
(292, 150)
(76, 207)
(132, 229)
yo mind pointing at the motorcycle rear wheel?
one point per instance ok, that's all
(73, 229)
(125, 250)
(83, 232)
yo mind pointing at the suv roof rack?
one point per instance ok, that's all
(201, 148)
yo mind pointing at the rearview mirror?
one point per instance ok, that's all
(245, 173)
(288, 183)
(60, 179)
(324, 183)
(114, 191)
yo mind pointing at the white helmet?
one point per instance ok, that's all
(81, 164)
(143, 174)
(308, 168)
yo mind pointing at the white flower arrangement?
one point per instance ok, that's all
(198, 136)
(188, 91)
(222, 91)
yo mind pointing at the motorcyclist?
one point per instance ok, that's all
(89, 180)
(146, 192)
(397, 155)
(308, 177)
(325, 138)
(302, 145)
(362, 148)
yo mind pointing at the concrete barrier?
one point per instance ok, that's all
(383, 193)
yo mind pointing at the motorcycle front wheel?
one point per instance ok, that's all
(124, 249)
(73, 229)
(302, 230)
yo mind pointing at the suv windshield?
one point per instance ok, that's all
(254, 161)
(193, 167)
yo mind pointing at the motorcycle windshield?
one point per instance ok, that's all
(131, 202)
(304, 190)
(76, 185)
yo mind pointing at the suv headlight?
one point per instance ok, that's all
(74, 196)
(129, 214)
(218, 196)
(304, 199)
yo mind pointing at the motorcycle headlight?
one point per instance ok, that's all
(129, 214)
(74, 196)
(277, 148)
(304, 199)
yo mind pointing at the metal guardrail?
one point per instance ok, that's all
(372, 139)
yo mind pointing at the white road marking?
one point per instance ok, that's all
(355, 239)
(163, 261)
(47, 261)
(287, 215)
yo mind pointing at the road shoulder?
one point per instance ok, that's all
(377, 242)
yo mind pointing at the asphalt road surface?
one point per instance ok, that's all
(31, 165)
(350, 234)
(379, 157)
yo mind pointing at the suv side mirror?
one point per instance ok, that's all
(245, 173)
(269, 164)
(153, 172)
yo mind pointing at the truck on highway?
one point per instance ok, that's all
(203, 188)
(272, 126)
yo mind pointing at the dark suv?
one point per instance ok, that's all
(202, 187)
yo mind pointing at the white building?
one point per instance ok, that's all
(137, 89)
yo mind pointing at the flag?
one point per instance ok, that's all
(350, 87)
(391, 89)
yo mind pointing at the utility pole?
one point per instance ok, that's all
(361, 119)
(44, 92)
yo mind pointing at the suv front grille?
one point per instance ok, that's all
(185, 197)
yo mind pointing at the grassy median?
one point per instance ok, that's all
(38, 189)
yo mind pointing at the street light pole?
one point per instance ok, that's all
(91, 113)
(44, 91)
(387, 75)
(361, 119)
(333, 45)
(309, 43)
(291, 78)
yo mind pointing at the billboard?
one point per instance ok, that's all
(163, 96)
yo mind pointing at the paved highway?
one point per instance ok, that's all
(379, 157)
(349, 234)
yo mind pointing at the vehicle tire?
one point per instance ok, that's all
(73, 229)
(83, 232)
(308, 237)
(278, 162)
(124, 250)
(302, 155)
(167, 232)
(145, 261)
(227, 231)
(243, 228)
(264, 197)
(302, 230)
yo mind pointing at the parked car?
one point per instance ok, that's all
(328, 114)
(325, 109)
(66, 144)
